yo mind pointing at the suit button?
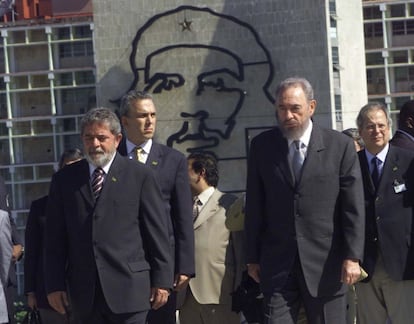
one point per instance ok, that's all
(375, 239)
(378, 218)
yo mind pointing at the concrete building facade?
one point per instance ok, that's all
(389, 43)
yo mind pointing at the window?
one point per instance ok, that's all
(373, 30)
(372, 13)
(397, 10)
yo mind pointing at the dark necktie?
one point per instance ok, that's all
(297, 159)
(375, 173)
(97, 182)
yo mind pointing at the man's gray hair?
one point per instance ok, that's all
(365, 110)
(293, 82)
(101, 115)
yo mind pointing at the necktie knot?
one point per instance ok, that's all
(196, 207)
(139, 151)
(97, 181)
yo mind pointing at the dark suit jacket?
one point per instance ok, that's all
(402, 140)
(33, 259)
(121, 240)
(321, 219)
(170, 167)
(389, 215)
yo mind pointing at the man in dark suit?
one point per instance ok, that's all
(387, 173)
(34, 283)
(404, 136)
(304, 212)
(139, 117)
(106, 234)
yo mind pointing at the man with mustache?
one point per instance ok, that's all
(304, 213)
(106, 234)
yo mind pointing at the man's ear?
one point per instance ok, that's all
(409, 122)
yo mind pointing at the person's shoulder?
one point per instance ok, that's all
(169, 151)
(226, 199)
(401, 151)
(40, 202)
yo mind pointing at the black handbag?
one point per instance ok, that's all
(249, 300)
(32, 317)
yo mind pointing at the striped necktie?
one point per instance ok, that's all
(97, 182)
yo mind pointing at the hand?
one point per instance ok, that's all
(17, 252)
(181, 281)
(351, 271)
(253, 269)
(59, 301)
(159, 296)
(31, 300)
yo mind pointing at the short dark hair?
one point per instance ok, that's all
(406, 111)
(70, 155)
(354, 134)
(130, 97)
(207, 162)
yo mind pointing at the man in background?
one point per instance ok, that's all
(404, 136)
(387, 172)
(34, 282)
(139, 118)
(218, 251)
(17, 253)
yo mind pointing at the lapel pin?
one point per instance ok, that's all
(394, 168)
(113, 179)
(154, 163)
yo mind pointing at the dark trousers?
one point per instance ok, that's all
(102, 314)
(164, 314)
(283, 307)
(10, 293)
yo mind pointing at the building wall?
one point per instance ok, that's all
(273, 40)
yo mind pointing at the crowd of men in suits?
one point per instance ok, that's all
(128, 242)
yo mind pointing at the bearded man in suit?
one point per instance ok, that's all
(304, 212)
(139, 119)
(387, 172)
(106, 235)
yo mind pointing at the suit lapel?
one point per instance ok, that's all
(390, 170)
(208, 210)
(155, 156)
(279, 154)
(313, 159)
(366, 174)
(110, 188)
(85, 185)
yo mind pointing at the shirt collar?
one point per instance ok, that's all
(305, 138)
(205, 195)
(146, 146)
(380, 156)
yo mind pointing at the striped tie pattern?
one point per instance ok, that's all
(97, 182)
